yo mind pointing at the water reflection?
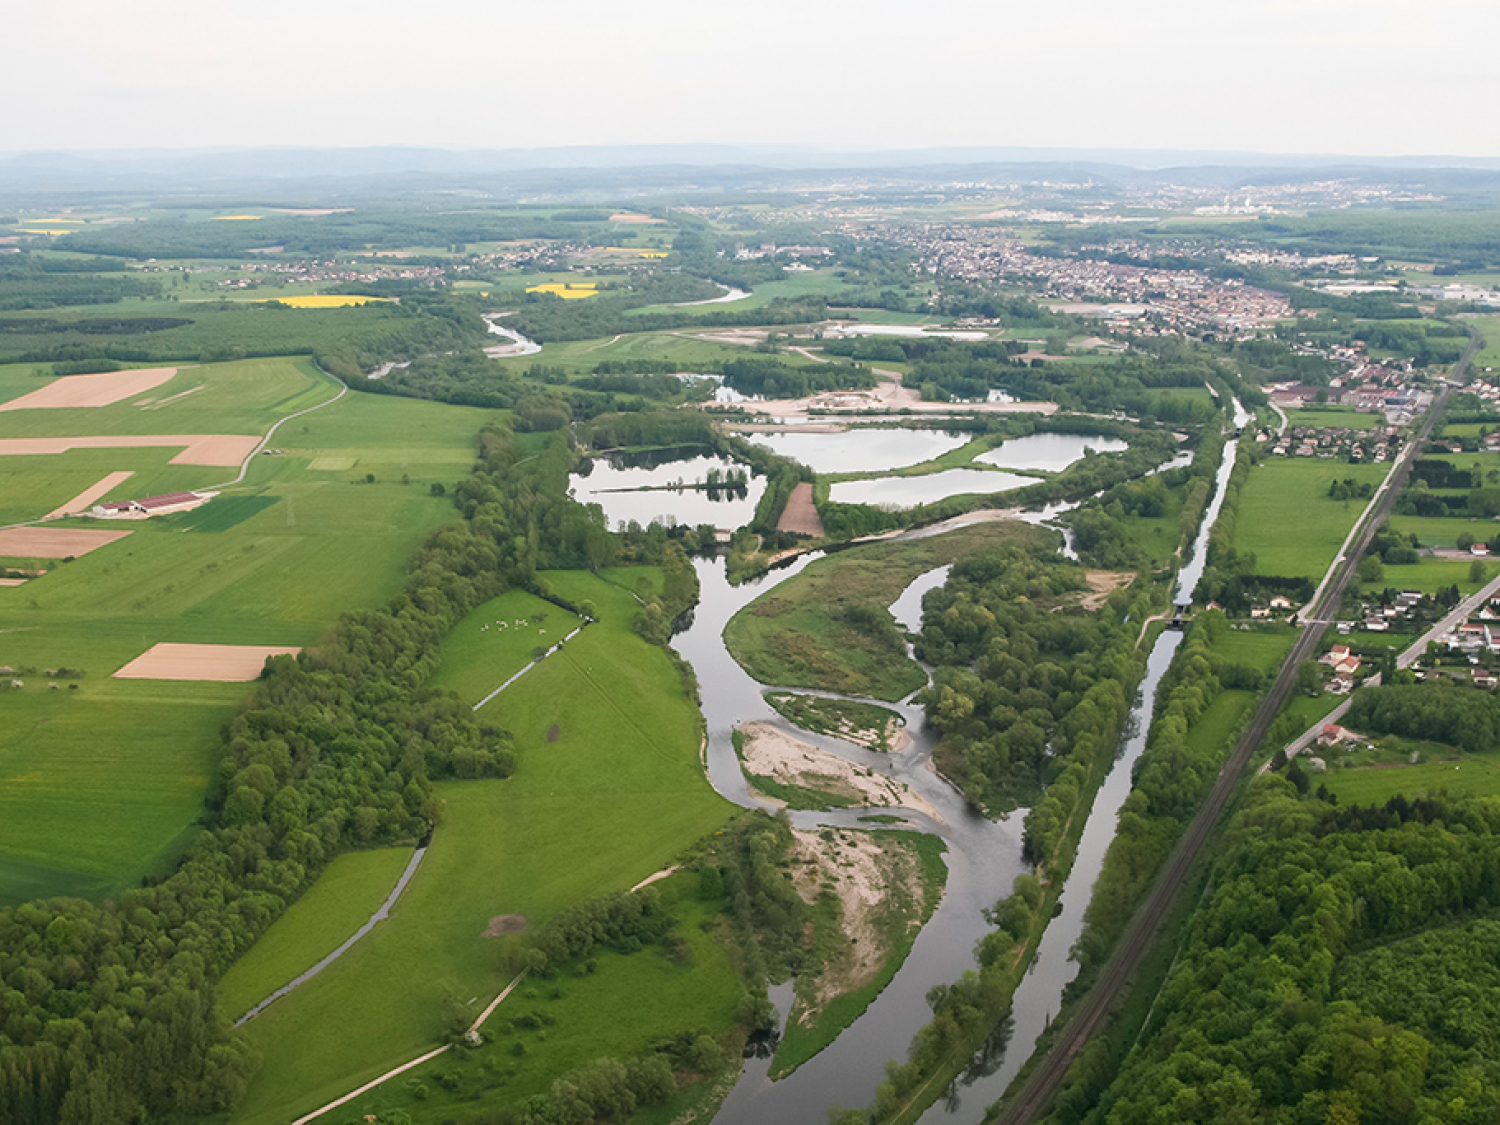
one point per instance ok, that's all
(1048, 452)
(861, 451)
(663, 486)
(904, 492)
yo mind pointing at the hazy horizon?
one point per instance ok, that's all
(1303, 78)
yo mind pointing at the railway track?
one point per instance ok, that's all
(1132, 948)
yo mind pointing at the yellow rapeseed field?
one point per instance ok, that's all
(233, 218)
(569, 292)
(326, 301)
(638, 250)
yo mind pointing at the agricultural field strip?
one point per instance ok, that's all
(379, 916)
(528, 668)
(91, 390)
(188, 441)
(418, 1061)
(1405, 659)
(84, 499)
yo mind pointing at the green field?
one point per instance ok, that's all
(497, 640)
(1349, 419)
(1466, 775)
(350, 890)
(273, 561)
(798, 633)
(1263, 650)
(1287, 520)
(610, 801)
(625, 1005)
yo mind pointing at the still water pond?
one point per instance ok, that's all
(637, 490)
(861, 451)
(1048, 452)
(904, 492)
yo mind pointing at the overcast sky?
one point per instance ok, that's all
(1376, 77)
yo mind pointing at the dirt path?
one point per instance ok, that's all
(379, 916)
(800, 515)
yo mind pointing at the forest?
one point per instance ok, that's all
(1340, 969)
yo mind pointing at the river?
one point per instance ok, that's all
(983, 858)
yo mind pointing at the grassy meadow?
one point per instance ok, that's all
(612, 800)
(1287, 520)
(350, 890)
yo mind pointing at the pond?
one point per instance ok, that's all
(1050, 453)
(861, 451)
(641, 489)
(904, 492)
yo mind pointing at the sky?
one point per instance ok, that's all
(1368, 77)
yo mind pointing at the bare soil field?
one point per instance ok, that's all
(220, 663)
(631, 217)
(54, 542)
(800, 515)
(84, 499)
(91, 390)
(222, 450)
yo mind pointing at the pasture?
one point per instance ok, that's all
(1287, 520)
(350, 889)
(1457, 774)
(497, 640)
(612, 800)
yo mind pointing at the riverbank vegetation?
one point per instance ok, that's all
(829, 627)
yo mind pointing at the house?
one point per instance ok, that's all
(1334, 735)
(1280, 601)
(1334, 655)
(1349, 666)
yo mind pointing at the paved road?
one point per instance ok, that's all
(1138, 936)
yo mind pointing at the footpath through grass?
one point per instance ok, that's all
(830, 626)
(618, 795)
(339, 903)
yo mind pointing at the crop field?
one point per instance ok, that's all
(272, 562)
(326, 301)
(82, 814)
(799, 634)
(350, 890)
(1287, 519)
(497, 640)
(1443, 531)
(607, 803)
(567, 290)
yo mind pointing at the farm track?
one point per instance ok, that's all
(1137, 940)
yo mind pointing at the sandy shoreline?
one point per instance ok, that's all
(773, 753)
